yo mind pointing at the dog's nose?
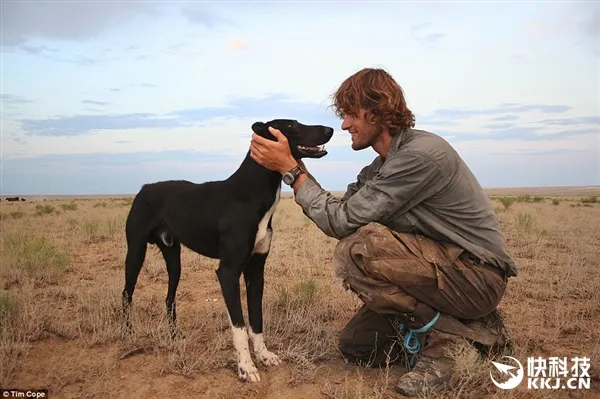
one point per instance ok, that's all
(329, 131)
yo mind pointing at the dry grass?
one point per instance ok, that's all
(61, 274)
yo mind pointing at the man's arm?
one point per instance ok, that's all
(351, 189)
(303, 167)
(402, 182)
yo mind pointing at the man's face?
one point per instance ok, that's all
(363, 133)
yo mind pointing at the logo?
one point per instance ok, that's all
(515, 378)
(551, 373)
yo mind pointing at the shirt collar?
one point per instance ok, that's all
(398, 140)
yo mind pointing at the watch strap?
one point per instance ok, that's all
(294, 173)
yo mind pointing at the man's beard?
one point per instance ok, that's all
(359, 145)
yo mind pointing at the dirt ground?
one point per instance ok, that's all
(61, 276)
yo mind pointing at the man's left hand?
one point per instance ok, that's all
(273, 155)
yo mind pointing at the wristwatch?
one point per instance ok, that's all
(290, 177)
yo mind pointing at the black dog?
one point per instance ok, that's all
(229, 220)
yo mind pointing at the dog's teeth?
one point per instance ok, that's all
(308, 148)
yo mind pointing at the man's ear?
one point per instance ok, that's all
(259, 128)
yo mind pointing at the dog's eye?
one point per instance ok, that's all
(290, 125)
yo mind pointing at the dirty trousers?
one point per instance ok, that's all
(408, 278)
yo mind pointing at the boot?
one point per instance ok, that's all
(432, 371)
(428, 375)
(493, 322)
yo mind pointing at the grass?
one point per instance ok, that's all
(29, 256)
(524, 220)
(590, 200)
(61, 275)
(44, 209)
(71, 206)
(507, 202)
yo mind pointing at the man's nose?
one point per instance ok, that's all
(346, 122)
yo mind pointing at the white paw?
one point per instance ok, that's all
(247, 372)
(268, 358)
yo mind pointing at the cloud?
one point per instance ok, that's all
(524, 134)
(589, 120)
(464, 121)
(199, 14)
(117, 159)
(423, 34)
(96, 173)
(430, 120)
(95, 102)
(37, 50)
(76, 57)
(274, 106)
(505, 118)
(23, 20)
(578, 21)
(53, 55)
(281, 106)
(75, 21)
(85, 124)
(535, 169)
(499, 126)
(503, 108)
(13, 100)
(586, 18)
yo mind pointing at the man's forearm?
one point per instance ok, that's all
(302, 178)
(299, 181)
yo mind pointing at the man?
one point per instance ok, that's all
(419, 241)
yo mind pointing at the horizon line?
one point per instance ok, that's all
(289, 190)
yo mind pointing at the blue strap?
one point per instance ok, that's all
(412, 343)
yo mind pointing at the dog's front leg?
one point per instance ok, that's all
(254, 277)
(229, 278)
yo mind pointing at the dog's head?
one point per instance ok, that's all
(306, 141)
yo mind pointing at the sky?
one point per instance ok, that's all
(103, 97)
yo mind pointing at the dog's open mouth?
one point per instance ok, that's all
(312, 151)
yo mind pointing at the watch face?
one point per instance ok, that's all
(288, 178)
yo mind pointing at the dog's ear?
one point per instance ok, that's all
(259, 128)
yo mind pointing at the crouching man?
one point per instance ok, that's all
(419, 243)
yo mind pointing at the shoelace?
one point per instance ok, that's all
(411, 341)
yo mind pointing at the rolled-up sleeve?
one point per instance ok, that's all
(402, 182)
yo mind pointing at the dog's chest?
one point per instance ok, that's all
(262, 242)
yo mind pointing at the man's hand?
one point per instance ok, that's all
(273, 155)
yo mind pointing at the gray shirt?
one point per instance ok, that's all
(423, 186)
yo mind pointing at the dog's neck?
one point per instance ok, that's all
(258, 172)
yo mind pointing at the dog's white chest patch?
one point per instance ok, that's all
(262, 243)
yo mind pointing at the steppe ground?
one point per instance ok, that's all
(61, 277)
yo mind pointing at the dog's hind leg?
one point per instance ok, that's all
(229, 273)
(136, 254)
(254, 278)
(171, 251)
(137, 229)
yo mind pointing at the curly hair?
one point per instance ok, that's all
(375, 91)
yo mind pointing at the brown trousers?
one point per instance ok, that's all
(408, 278)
